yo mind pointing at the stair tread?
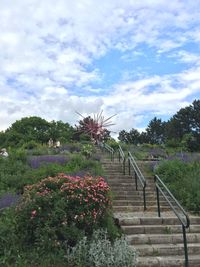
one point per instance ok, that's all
(168, 261)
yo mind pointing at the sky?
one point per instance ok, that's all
(137, 59)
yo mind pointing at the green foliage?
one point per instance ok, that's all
(113, 143)
(15, 173)
(8, 237)
(188, 143)
(131, 137)
(2, 139)
(100, 252)
(31, 145)
(156, 131)
(87, 150)
(31, 130)
(84, 137)
(183, 180)
(173, 143)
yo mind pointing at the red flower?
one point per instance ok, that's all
(33, 214)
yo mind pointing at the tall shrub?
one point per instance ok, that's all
(60, 210)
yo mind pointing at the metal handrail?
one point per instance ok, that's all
(185, 222)
(138, 176)
(107, 148)
(122, 158)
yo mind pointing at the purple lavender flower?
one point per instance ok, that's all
(8, 200)
(185, 157)
(36, 161)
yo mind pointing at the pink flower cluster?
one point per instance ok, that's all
(90, 196)
(87, 198)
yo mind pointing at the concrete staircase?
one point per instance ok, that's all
(159, 241)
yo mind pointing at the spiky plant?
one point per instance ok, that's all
(96, 126)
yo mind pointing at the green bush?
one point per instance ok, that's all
(112, 143)
(31, 145)
(183, 180)
(87, 150)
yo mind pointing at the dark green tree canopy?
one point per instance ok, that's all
(35, 129)
(156, 131)
(182, 128)
(131, 137)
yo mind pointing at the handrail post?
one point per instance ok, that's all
(136, 186)
(157, 196)
(144, 197)
(129, 166)
(185, 246)
(158, 201)
(124, 160)
(119, 156)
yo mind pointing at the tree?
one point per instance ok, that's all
(186, 122)
(181, 122)
(143, 138)
(123, 136)
(195, 116)
(38, 130)
(156, 131)
(134, 136)
(31, 128)
(59, 130)
(131, 137)
(2, 138)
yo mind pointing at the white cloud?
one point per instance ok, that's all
(186, 57)
(47, 51)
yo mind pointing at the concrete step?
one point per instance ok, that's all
(133, 195)
(127, 187)
(136, 202)
(120, 180)
(128, 197)
(158, 229)
(156, 221)
(137, 208)
(131, 187)
(167, 249)
(168, 261)
(162, 238)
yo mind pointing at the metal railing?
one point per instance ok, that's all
(107, 148)
(138, 176)
(177, 209)
(122, 158)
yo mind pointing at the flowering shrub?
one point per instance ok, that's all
(60, 210)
